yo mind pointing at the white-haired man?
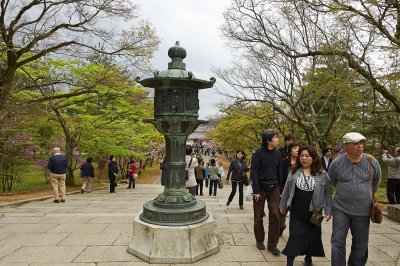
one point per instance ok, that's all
(57, 166)
(393, 180)
(349, 174)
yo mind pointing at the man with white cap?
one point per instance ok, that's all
(349, 174)
(393, 181)
(57, 166)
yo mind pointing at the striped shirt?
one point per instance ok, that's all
(351, 180)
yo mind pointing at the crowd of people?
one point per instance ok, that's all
(296, 178)
(292, 178)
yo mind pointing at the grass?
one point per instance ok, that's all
(32, 179)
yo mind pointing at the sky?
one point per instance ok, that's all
(196, 25)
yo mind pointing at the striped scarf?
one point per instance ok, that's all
(306, 183)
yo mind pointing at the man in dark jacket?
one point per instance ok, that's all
(326, 158)
(266, 176)
(57, 166)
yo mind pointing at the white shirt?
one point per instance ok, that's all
(191, 182)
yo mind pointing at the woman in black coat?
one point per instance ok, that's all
(237, 170)
(112, 173)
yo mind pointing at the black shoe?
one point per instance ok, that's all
(241, 207)
(128, 188)
(308, 261)
(274, 250)
(63, 200)
(260, 245)
(82, 191)
(56, 201)
(227, 203)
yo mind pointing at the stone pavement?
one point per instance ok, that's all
(95, 229)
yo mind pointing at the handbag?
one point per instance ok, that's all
(220, 184)
(135, 175)
(376, 211)
(317, 217)
(246, 180)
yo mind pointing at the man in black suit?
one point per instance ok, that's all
(326, 158)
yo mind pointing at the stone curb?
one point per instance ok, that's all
(20, 202)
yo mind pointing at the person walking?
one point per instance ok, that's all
(288, 164)
(307, 188)
(285, 149)
(236, 172)
(191, 163)
(87, 172)
(132, 174)
(214, 176)
(326, 158)
(112, 173)
(266, 176)
(393, 180)
(57, 166)
(350, 175)
(199, 173)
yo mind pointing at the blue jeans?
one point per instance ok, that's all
(359, 228)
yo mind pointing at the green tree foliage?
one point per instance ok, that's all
(32, 30)
(240, 126)
(108, 120)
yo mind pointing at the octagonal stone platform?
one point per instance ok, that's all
(173, 244)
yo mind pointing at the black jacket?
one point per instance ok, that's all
(87, 170)
(112, 168)
(266, 168)
(58, 164)
(323, 163)
(235, 172)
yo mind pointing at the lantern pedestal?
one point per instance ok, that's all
(173, 244)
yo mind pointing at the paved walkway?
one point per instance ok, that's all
(95, 229)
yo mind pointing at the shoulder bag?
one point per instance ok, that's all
(187, 170)
(376, 211)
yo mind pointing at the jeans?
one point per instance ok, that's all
(213, 184)
(131, 182)
(393, 190)
(273, 198)
(233, 192)
(192, 190)
(359, 228)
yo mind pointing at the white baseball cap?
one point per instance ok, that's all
(353, 137)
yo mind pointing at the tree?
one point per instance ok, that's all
(110, 116)
(35, 29)
(241, 125)
(364, 33)
(309, 97)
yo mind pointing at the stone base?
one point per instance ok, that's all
(173, 244)
(394, 212)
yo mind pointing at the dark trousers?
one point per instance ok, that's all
(112, 184)
(359, 228)
(199, 186)
(213, 184)
(393, 190)
(131, 182)
(272, 198)
(233, 192)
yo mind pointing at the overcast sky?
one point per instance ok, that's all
(196, 25)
